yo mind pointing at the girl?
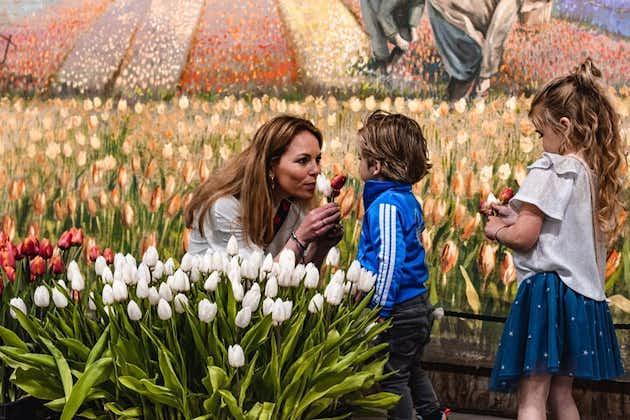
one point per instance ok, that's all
(558, 224)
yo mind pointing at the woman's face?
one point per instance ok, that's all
(296, 172)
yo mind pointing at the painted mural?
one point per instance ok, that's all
(115, 110)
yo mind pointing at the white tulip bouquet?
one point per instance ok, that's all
(221, 336)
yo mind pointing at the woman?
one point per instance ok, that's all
(263, 197)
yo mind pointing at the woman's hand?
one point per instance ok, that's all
(493, 224)
(320, 223)
(506, 214)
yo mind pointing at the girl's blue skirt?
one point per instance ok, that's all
(553, 330)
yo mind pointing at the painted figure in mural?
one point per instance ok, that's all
(394, 156)
(469, 35)
(565, 213)
(262, 197)
(393, 21)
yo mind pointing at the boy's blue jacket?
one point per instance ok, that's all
(391, 243)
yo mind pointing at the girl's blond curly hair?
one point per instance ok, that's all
(594, 133)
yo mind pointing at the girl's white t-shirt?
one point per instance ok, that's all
(223, 221)
(559, 186)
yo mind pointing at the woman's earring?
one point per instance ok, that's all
(273, 181)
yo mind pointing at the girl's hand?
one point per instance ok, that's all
(493, 224)
(319, 222)
(506, 214)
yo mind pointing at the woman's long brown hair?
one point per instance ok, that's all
(246, 177)
(594, 133)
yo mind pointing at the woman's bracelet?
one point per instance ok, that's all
(297, 241)
(496, 238)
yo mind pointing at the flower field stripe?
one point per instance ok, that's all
(96, 56)
(328, 41)
(159, 50)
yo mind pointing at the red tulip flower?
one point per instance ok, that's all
(77, 236)
(65, 240)
(94, 253)
(56, 265)
(30, 246)
(7, 258)
(45, 249)
(38, 267)
(10, 272)
(506, 195)
(108, 254)
(338, 181)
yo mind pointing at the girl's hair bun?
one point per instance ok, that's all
(586, 75)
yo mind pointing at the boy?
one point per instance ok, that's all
(394, 156)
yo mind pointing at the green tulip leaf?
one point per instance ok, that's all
(11, 339)
(94, 374)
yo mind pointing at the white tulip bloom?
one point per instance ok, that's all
(165, 292)
(18, 303)
(298, 274)
(150, 257)
(195, 275)
(170, 281)
(338, 277)
(267, 264)
(279, 312)
(271, 288)
(334, 293)
(212, 282)
(158, 270)
(243, 317)
(181, 302)
(73, 268)
(236, 357)
(246, 270)
(130, 274)
(62, 284)
(349, 288)
(169, 267)
(206, 310)
(239, 292)
(288, 309)
(267, 306)
(164, 310)
(205, 266)
(333, 256)
(217, 262)
(60, 300)
(323, 185)
(107, 295)
(154, 296)
(107, 276)
(311, 280)
(77, 283)
(134, 311)
(287, 260)
(99, 265)
(252, 298)
(256, 260)
(120, 291)
(119, 260)
(130, 260)
(234, 275)
(232, 246)
(118, 272)
(284, 277)
(181, 282)
(354, 272)
(142, 289)
(187, 262)
(143, 273)
(366, 281)
(41, 297)
(438, 313)
(316, 303)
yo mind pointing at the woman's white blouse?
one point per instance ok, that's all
(223, 221)
(559, 186)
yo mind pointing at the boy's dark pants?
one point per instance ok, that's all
(410, 332)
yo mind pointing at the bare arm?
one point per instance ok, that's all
(523, 234)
